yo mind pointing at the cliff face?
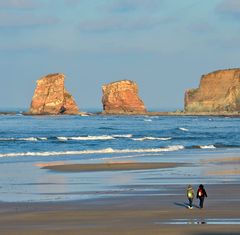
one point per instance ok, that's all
(218, 91)
(122, 97)
(51, 97)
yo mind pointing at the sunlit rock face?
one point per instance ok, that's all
(51, 97)
(218, 91)
(121, 97)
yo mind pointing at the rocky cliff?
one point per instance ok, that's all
(122, 98)
(218, 91)
(51, 97)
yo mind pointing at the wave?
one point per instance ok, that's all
(123, 136)
(62, 138)
(29, 139)
(101, 137)
(208, 146)
(152, 138)
(23, 139)
(100, 151)
(211, 146)
(183, 129)
(7, 139)
(147, 120)
(66, 138)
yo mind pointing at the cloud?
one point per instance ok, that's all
(123, 6)
(72, 3)
(118, 24)
(18, 4)
(201, 27)
(229, 7)
(25, 20)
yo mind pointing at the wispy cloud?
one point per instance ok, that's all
(25, 20)
(201, 27)
(124, 6)
(18, 4)
(229, 7)
(110, 24)
(72, 3)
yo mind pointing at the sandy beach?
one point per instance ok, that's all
(142, 214)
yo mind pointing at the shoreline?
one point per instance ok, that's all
(151, 113)
(135, 215)
(113, 166)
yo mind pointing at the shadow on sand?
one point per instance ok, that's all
(181, 204)
(184, 204)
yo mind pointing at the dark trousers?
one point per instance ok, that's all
(201, 200)
(190, 201)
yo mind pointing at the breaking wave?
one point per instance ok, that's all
(123, 136)
(23, 139)
(211, 146)
(66, 138)
(208, 146)
(103, 137)
(183, 129)
(101, 151)
(152, 138)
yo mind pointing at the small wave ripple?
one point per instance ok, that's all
(152, 138)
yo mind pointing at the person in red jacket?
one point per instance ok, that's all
(201, 194)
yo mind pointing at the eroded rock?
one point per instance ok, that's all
(51, 97)
(122, 98)
(218, 91)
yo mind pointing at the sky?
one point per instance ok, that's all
(163, 45)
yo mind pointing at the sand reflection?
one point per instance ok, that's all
(223, 166)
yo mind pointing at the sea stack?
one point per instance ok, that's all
(218, 91)
(121, 97)
(51, 97)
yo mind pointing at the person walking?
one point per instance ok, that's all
(190, 196)
(201, 194)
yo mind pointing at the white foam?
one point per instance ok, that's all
(103, 137)
(6, 139)
(123, 136)
(28, 139)
(208, 146)
(152, 138)
(21, 139)
(147, 120)
(62, 138)
(100, 151)
(24, 139)
(183, 129)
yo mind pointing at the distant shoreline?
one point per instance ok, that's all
(151, 113)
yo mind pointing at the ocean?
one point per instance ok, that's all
(209, 145)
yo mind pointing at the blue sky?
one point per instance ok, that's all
(163, 45)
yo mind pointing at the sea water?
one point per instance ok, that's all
(210, 146)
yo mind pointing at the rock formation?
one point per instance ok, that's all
(122, 98)
(51, 97)
(218, 91)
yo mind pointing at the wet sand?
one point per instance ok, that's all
(137, 215)
(110, 166)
